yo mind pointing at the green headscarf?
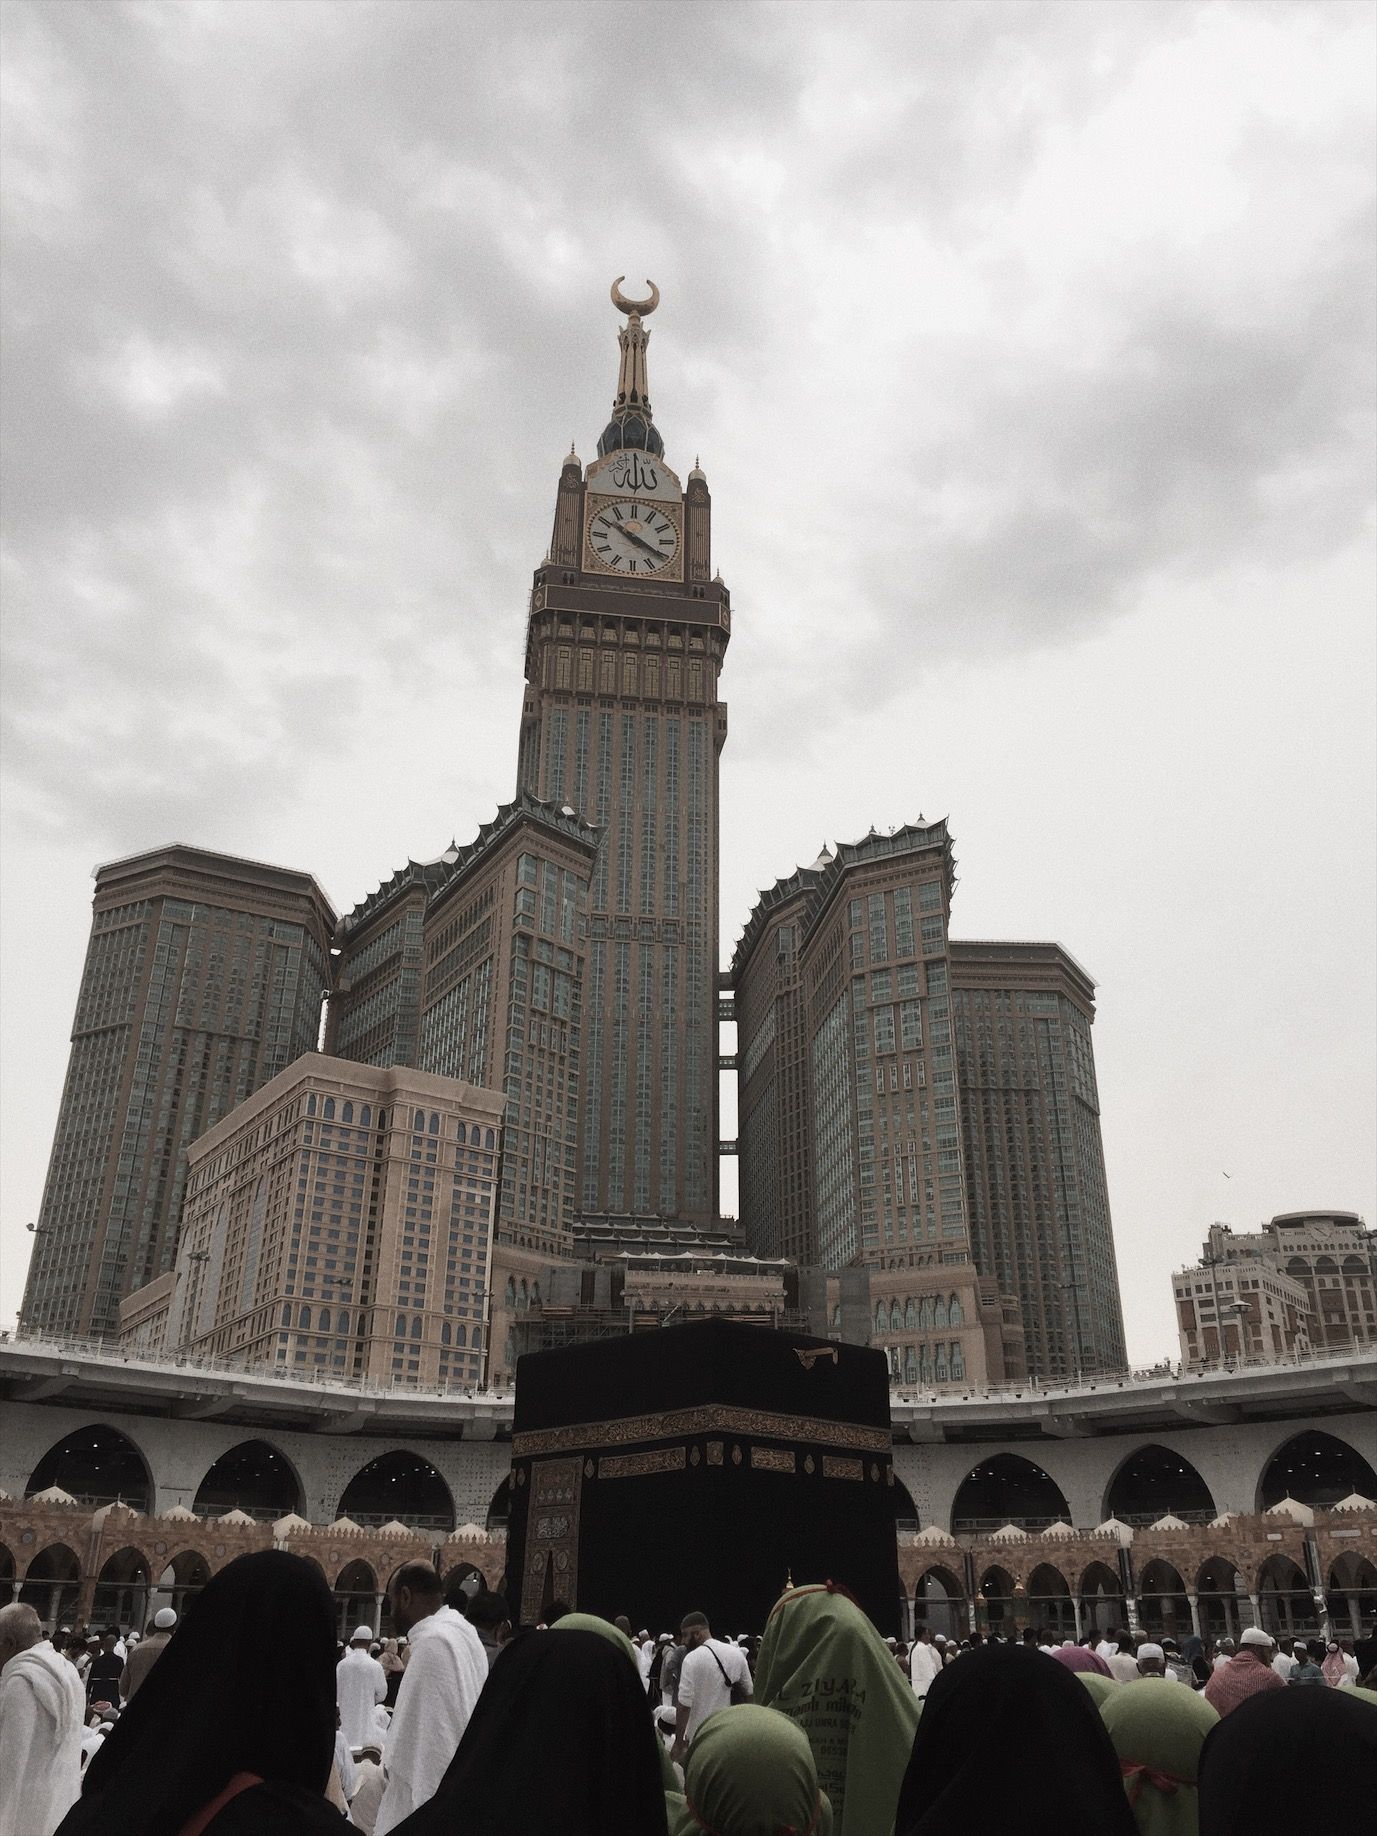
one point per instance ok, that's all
(589, 1622)
(1158, 1728)
(1103, 1689)
(750, 1772)
(825, 1666)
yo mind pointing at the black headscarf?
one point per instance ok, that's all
(561, 1742)
(246, 1685)
(1285, 1748)
(1011, 1740)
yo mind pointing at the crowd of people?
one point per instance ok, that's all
(249, 1719)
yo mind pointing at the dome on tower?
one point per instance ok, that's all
(633, 430)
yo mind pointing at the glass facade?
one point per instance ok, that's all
(204, 978)
(1035, 1163)
(625, 722)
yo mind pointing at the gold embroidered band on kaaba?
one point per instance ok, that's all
(713, 1418)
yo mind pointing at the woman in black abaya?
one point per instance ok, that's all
(232, 1732)
(1283, 1749)
(1011, 1740)
(561, 1743)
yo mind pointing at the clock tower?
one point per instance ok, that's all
(622, 721)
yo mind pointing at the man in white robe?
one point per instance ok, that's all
(444, 1674)
(924, 1662)
(42, 1709)
(360, 1683)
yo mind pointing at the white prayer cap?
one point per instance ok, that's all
(164, 1619)
(939, 1638)
(1150, 1651)
(1254, 1635)
(362, 1635)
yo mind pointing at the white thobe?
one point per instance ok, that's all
(344, 1764)
(363, 1806)
(444, 1675)
(360, 1683)
(924, 1664)
(41, 1725)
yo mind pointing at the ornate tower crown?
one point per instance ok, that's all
(631, 423)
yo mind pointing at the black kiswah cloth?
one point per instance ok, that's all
(246, 1684)
(1288, 1757)
(1012, 1740)
(561, 1743)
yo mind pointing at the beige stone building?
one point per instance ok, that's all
(1305, 1282)
(338, 1223)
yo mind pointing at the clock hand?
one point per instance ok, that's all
(649, 548)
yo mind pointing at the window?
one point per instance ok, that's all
(329, 1111)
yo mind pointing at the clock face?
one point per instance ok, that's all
(632, 537)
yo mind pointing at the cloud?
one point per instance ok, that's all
(981, 318)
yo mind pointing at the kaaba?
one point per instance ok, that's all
(700, 1467)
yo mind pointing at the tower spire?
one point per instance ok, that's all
(631, 423)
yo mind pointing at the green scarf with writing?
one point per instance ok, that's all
(823, 1664)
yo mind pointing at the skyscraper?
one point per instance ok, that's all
(1034, 1160)
(912, 1102)
(204, 977)
(621, 719)
(850, 1137)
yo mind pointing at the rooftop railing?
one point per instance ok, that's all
(1032, 1388)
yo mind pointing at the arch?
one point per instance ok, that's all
(398, 1485)
(500, 1508)
(181, 1579)
(956, 1314)
(1316, 1469)
(939, 1602)
(51, 1583)
(1163, 1605)
(994, 1603)
(253, 1476)
(1353, 1592)
(1285, 1601)
(97, 1464)
(1154, 1481)
(910, 1316)
(1219, 1588)
(1102, 1599)
(1050, 1606)
(905, 1511)
(356, 1593)
(121, 1595)
(1007, 1489)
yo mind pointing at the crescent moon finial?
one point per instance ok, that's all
(643, 307)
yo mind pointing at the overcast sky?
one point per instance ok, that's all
(1028, 352)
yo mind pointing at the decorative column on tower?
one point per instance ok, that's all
(621, 720)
